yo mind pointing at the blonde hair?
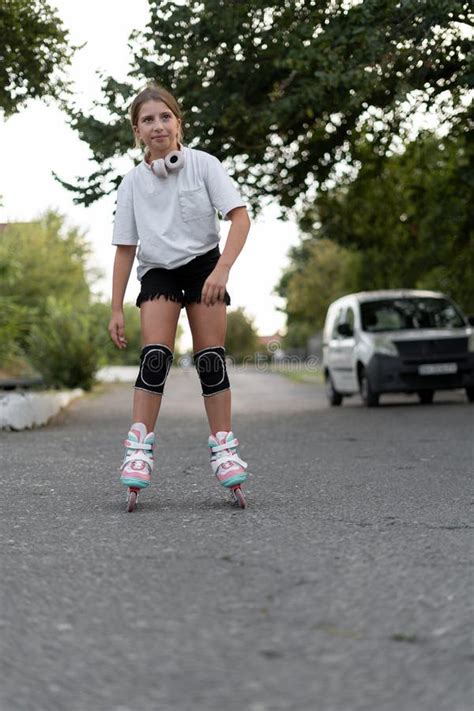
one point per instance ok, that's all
(154, 92)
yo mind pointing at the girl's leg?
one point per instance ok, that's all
(208, 327)
(159, 320)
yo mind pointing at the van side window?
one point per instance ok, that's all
(350, 317)
(337, 321)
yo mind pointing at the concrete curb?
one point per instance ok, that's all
(21, 411)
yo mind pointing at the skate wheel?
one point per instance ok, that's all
(239, 497)
(132, 500)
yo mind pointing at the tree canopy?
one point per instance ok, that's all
(404, 222)
(47, 314)
(284, 90)
(41, 259)
(34, 53)
(241, 336)
(409, 215)
(319, 272)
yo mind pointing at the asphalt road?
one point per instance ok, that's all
(345, 586)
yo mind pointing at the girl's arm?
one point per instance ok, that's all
(124, 256)
(214, 286)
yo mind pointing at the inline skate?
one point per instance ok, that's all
(227, 466)
(138, 462)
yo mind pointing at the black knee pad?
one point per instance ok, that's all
(210, 365)
(155, 362)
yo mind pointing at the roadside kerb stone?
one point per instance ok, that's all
(20, 411)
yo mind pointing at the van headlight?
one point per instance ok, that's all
(385, 346)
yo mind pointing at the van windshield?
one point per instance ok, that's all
(409, 313)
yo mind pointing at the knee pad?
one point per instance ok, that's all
(155, 362)
(210, 365)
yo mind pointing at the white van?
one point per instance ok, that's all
(396, 341)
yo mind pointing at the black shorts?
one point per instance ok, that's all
(183, 284)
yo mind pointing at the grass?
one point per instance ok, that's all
(301, 374)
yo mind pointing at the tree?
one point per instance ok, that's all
(284, 89)
(241, 338)
(404, 222)
(319, 272)
(41, 259)
(46, 318)
(409, 216)
(34, 53)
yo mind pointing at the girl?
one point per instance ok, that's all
(167, 206)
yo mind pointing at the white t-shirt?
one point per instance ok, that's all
(173, 219)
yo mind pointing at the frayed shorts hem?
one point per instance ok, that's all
(177, 298)
(183, 300)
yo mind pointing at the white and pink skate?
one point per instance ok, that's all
(138, 462)
(227, 466)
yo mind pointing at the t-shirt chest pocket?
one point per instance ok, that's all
(195, 203)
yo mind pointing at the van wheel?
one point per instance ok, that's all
(334, 398)
(369, 396)
(470, 394)
(426, 396)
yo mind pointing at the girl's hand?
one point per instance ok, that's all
(214, 286)
(117, 329)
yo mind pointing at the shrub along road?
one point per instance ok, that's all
(344, 586)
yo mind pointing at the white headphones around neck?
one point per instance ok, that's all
(173, 162)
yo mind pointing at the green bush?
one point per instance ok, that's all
(109, 353)
(64, 347)
(241, 338)
(15, 321)
(43, 259)
(39, 261)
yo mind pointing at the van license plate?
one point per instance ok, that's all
(437, 368)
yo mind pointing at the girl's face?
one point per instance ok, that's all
(158, 128)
